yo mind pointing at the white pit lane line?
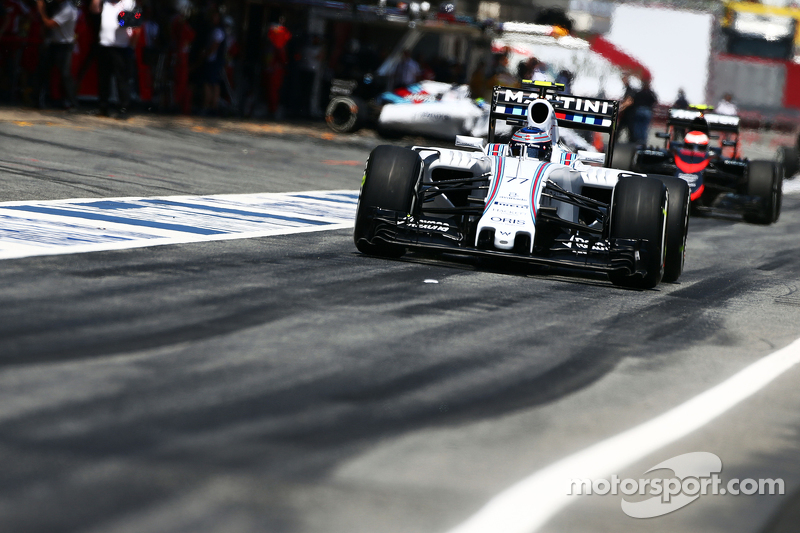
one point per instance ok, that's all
(82, 225)
(792, 186)
(529, 504)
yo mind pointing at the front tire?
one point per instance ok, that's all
(639, 211)
(765, 180)
(677, 226)
(389, 183)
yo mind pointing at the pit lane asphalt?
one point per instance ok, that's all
(292, 384)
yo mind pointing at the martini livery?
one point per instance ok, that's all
(528, 197)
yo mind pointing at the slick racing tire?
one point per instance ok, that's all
(389, 182)
(623, 156)
(765, 180)
(677, 226)
(790, 159)
(639, 211)
(345, 114)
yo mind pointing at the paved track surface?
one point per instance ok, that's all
(290, 384)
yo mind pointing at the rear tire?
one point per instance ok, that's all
(639, 211)
(389, 182)
(677, 226)
(790, 159)
(345, 114)
(765, 179)
(623, 156)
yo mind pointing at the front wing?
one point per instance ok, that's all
(440, 235)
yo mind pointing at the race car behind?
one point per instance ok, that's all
(720, 180)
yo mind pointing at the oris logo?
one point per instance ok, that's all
(510, 221)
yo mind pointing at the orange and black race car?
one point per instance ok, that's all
(719, 179)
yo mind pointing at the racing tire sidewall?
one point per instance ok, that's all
(764, 180)
(677, 226)
(389, 182)
(639, 211)
(344, 106)
(790, 159)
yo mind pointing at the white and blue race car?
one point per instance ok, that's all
(529, 199)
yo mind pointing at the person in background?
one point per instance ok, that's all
(502, 76)
(16, 32)
(213, 64)
(539, 73)
(726, 106)
(643, 102)
(407, 72)
(310, 71)
(181, 37)
(681, 102)
(477, 83)
(565, 77)
(147, 54)
(523, 71)
(58, 51)
(114, 53)
(626, 110)
(427, 72)
(276, 61)
(5, 19)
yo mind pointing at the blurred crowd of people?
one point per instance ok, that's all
(186, 56)
(177, 56)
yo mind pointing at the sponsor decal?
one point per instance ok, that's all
(579, 243)
(435, 116)
(565, 103)
(425, 224)
(510, 205)
(508, 220)
(735, 162)
(711, 118)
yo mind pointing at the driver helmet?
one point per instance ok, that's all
(532, 142)
(696, 141)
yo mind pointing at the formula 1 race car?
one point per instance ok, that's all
(529, 199)
(719, 179)
(430, 108)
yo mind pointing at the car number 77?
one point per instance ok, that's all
(521, 180)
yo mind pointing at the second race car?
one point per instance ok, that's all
(719, 178)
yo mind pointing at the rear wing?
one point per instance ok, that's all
(594, 114)
(684, 118)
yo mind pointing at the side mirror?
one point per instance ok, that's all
(465, 141)
(662, 135)
(592, 157)
(728, 143)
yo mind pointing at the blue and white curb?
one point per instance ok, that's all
(91, 224)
